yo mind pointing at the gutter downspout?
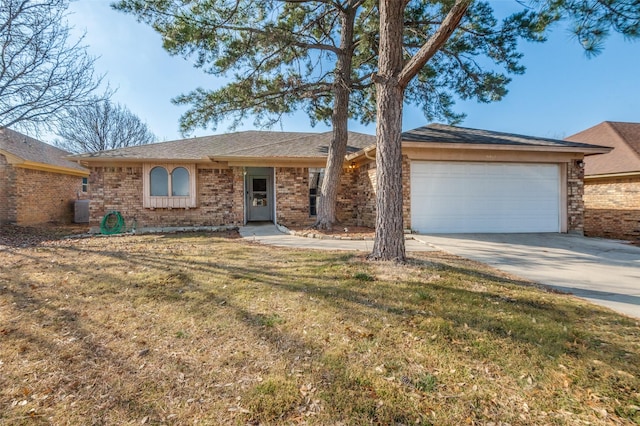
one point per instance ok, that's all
(366, 154)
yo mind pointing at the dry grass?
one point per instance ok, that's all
(208, 329)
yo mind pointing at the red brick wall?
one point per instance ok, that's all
(292, 196)
(358, 190)
(364, 191)
(612, 208)
(219, 198)
(406, 192)
(30, 197)
(575, 202)
(43, 197)
(7, 192)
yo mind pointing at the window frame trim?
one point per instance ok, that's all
(169, 201)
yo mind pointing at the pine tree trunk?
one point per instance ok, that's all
(389, 237)
(327, 202)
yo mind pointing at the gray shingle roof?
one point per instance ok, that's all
(441, 133)
(256, 144)
(34, 151)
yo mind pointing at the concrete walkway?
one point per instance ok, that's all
(267, 233)
(605, 272)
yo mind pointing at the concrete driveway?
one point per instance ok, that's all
(605, 272)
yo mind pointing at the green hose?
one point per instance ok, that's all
(112, 223)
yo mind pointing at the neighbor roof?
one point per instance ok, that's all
(28, 152)
(249, 144)
(624, 138)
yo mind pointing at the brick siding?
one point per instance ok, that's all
(7, 192)
(219, 198)
(355, 202)
(30, 197)
(575, 201)
(612, 208)
(292, 196)
(364, 190)
(365, 194)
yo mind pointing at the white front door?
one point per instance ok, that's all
(477, 197)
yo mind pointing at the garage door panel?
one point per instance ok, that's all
(484, 197)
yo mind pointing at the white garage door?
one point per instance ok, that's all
(459, 197)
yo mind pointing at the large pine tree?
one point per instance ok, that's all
(319, 56)
(360, 59)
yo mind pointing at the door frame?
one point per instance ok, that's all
(249, 173)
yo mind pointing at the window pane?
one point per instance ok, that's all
(259, 184)
(315, 184)
(180, 182)
(159, 182)
(316, 175)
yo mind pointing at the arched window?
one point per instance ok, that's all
(180, 182)
(159, 182)
(169, 186)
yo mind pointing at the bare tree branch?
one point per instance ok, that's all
(101, 126)
(42, 72)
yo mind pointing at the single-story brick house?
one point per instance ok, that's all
(455, 180)
(38, 183)
(612, 181)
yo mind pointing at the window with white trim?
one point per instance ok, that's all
(169, 186)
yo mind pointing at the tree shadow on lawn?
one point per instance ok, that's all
(66, 360)
(490, 309)
(358, 300)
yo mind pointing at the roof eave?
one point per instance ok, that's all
(247, 161)
(52, 168)
(422, 145)
(500, 147)
(87, 160)
(612, 175)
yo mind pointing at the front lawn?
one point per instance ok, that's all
(210, 329)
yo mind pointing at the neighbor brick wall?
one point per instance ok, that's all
(42, 197)
(7, 192)
(575, 202)
(612, 208)
(219, 198)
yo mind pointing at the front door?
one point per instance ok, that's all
(259, 198)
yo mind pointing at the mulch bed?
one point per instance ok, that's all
(29, 236)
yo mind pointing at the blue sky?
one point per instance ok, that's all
(561, 93)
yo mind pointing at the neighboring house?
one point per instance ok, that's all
(612, 181)
(38, 184)
(454, 180)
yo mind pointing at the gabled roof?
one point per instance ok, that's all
(241, 145)
(624, 138)
(442, 136)
(24, 151)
